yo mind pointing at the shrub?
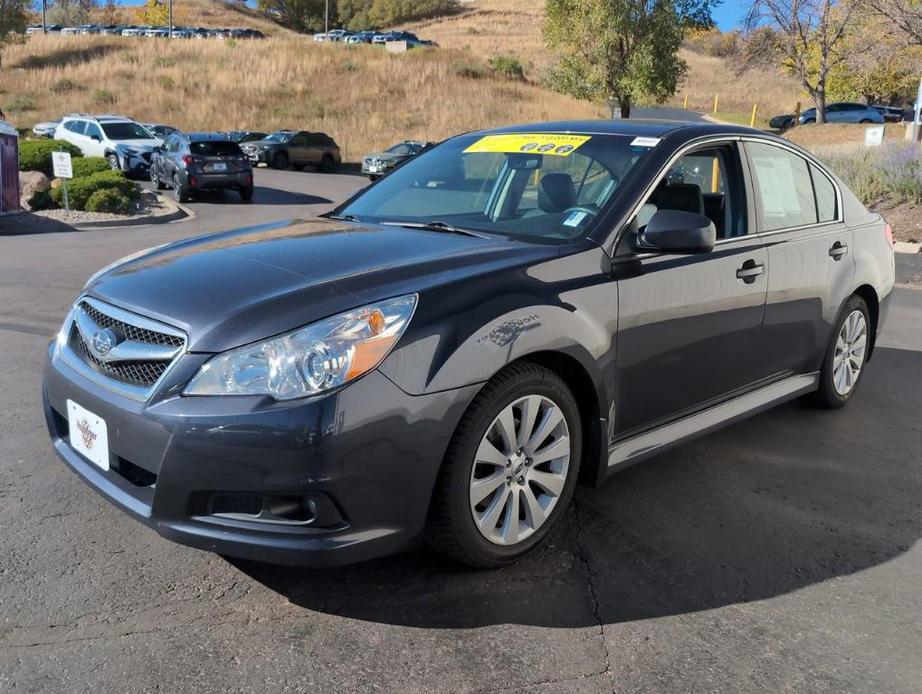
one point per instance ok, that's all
(507, 66)
(894, 170)
(41, 200)
(166, 82)
(108, 200)
(469, 69)
(35, 155)
(20, 103)
(79, 190)
(65, 84)
(85, 166)
(103, 97)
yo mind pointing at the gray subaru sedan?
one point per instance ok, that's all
(445, 356)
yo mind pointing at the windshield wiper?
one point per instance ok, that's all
(436, 225)
(344, 218)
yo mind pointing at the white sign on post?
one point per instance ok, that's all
(873, 136)
(60, 162)
(62, 166)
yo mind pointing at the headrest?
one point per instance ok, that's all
(556, 192)
(685, 197)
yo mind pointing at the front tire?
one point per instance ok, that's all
(179, 192)
(112, 158)
(510, 469)
(155, 179)
(846, 356)
(327, 164)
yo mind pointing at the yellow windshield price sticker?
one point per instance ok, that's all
(530, 143)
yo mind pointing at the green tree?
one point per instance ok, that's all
(299, 15)
(153, 12)
(905, 15)
(626, 50)
(387, 12)
(14, 15)
(808, 39)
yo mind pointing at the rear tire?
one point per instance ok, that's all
(280, 161)
(846, 356)
(502, 480)
(246, 194)
(179, 192)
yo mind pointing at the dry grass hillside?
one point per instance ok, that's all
(513, 27)
(363, 96)
(494, 27)
(207, 13)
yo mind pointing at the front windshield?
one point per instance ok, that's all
(405, 148)
(280, 137)
(539, 187)
(126, 131)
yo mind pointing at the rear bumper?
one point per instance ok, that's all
(368, 455)
(213, 181)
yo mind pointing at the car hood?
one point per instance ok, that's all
(233, 288)
(387, 156)
(263, 143)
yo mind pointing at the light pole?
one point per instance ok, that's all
(44, 26)
(170, 35)
(326, 19)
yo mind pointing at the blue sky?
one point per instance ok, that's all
(731, 13)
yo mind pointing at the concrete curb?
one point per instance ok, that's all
(174, 213)
(907, 247)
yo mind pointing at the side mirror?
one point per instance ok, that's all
(96, 137)
(158, 150)
(675, 231)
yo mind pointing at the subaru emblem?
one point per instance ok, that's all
(103, 341)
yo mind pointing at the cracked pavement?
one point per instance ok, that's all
(779, 554)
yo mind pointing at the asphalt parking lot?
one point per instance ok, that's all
(781, 554)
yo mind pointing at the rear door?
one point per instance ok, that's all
(299, 150)
(690, 326)
(810, 261)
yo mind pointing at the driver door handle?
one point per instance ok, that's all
(749, 270)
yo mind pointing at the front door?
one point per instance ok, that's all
(689, 325)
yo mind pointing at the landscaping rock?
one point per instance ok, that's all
(56, 183)
(32, 182)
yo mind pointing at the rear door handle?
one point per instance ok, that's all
(838, 251)
(749, 271)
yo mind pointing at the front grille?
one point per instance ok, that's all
(131, 332)
(142, 368)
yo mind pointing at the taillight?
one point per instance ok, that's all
(188, 159)
(888, 233)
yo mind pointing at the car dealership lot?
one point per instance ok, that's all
(781, 553)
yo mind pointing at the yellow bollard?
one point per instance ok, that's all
(752, 121)
(685, 103)
(715, 176)
(797, 114)
(716, 102)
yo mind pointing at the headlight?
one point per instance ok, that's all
(309, 360)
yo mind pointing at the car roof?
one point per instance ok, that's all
(635, 127)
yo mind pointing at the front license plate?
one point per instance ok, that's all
(220, 166)
(88, 434)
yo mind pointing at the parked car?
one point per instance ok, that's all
(124, 142)
(193, 162)
(241, 136)
(782, 122)
(339, 34)
(295, 148)
(159, 130)
(45, 129)
(321, 37)
(454, 348)
(70, 31)
(891, 114)
(158, 32)
(112, 29)
(395, 36)
(136, 31)
(377, 164)
(362, 36)
(844, 113)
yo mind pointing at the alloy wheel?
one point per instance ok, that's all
(520, 470)
(848, 358)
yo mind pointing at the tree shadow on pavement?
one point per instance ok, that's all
(20, 223)
(785, 500)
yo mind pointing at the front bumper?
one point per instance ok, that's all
(367, 455)
(259, 156)
(376, 169)
(134, 164)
